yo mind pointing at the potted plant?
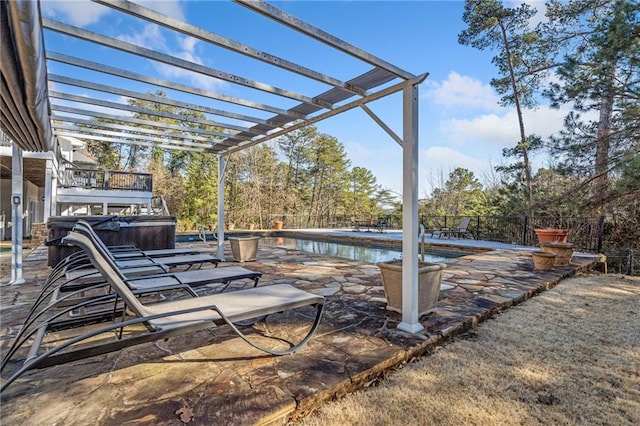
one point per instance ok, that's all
(543, 260)
(563, 252)
(277, 224)
(429, 279)
(552, 235)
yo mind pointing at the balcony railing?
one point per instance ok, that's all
(105, 179)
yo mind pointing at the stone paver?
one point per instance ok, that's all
(219, 379)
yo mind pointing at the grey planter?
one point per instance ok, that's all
(244, 249)
(429, 280)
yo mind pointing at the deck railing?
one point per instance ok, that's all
(106, 179)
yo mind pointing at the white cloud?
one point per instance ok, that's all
(462, 91)
(152, 37)
(502, 130)
(167, 7)
(539, 5)
(79, 13)
(447, 159)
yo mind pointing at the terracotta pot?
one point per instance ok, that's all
(563, 252)
(552, 235)
(277, 224)
(543, 260)
(429, 279)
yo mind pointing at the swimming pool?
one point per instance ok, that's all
(353, 251)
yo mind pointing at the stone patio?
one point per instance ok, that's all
(212, 377)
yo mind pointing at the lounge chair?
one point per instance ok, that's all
(382, 223)
(89, 280)
(457, 232)
(161, 319)
(142, 264)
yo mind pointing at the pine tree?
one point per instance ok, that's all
(506, 30)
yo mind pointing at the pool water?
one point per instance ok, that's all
(350, 251)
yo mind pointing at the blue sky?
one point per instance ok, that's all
(461, 124)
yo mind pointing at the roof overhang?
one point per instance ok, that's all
(24, 112)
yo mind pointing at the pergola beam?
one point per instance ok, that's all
(139, 110)
(129, 75)
(127, 141)
(346, 107)
(131, 136)
(133, 120)
(144, 52)
(218, 40)
(157, 99)
(142, 131)
(299, 25)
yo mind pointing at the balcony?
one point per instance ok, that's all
(90, 191)
(107, 180)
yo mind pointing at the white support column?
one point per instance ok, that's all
(105, 208)
(410, 308)
(54, 192)
(48, 191)
(222, 164)
(17, 197)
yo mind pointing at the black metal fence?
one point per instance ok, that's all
(623, 261)
(586, 233)
(105, 179)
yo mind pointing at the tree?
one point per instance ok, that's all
(295, 148)
(363, 186)
(462, 195)
(491, 25)
(201, 190)
(599, 42)
(329, 175)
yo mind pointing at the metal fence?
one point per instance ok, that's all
(105, 179)
(623, 261)
(586, 233)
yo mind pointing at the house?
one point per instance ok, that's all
(66, 181)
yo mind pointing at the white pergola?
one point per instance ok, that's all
(34, 115)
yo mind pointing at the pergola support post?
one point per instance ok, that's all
(410, 308)
(48, 184)
(222, 164)
(16, 215)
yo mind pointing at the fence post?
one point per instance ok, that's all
(525, 228)
(629, 261)
(478, 227)
(600, 234)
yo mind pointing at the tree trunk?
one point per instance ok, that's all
(603, 139)
(516, 98)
